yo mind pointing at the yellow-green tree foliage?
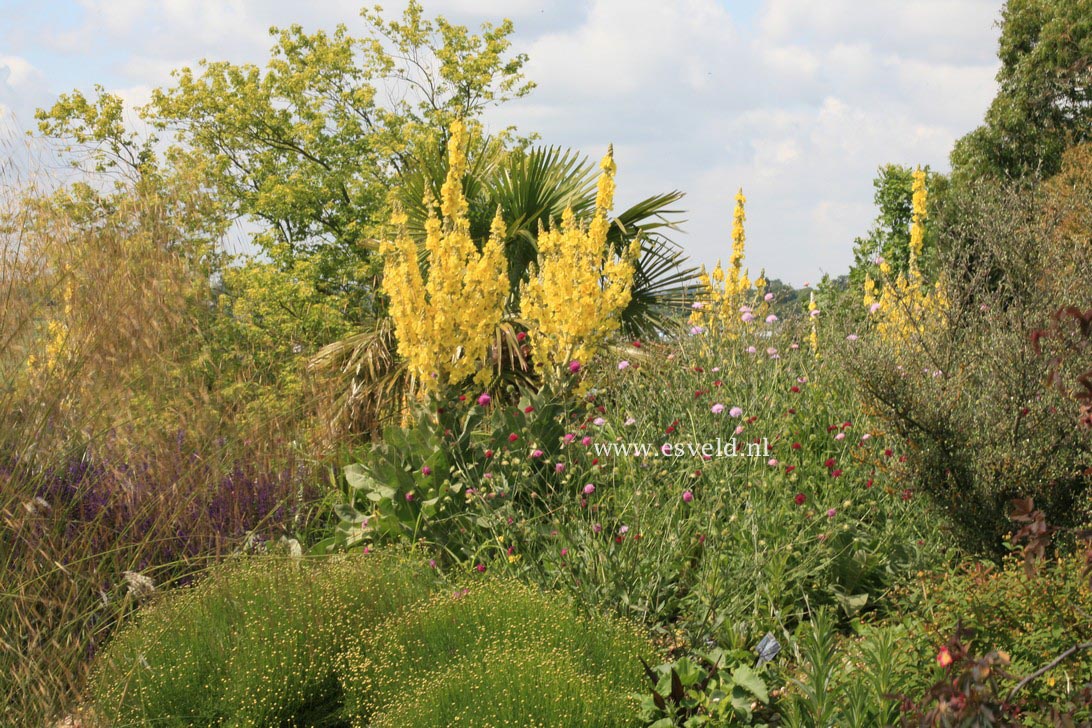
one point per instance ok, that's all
(721, 307)
(579, 287)
(905, 307)
(443, 325)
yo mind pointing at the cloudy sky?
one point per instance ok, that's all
(797, 101)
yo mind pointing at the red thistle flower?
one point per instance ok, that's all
(789, 469)
(830, 463)
(799, 499)
(796, 446)
(513, 437)
(794, 389)
(836, 473)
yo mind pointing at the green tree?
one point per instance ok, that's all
(308, 148)
(1044, 100)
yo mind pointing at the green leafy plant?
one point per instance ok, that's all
(701, 691)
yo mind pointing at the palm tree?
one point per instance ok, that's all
(532, 188)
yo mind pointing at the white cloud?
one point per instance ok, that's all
(798, 105)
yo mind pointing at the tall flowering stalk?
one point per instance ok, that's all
(905, 306)
(56, 337)
(575, 295)
(724, 305)
(813, 314)
(444, 325)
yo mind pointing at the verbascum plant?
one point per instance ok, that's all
(575, 295)
(445, 323)
(724, 305)
(813, 314)
(906, 306)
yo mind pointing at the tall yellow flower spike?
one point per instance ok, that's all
(917, 224)
(727, 290)
(443, 326)
(575, 295)
(906, 307)
(813, 338)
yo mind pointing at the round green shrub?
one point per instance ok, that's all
(495, 653)
(254, 644)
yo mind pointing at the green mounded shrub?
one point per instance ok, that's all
(491, 654)
(944, 628)
(254, 644)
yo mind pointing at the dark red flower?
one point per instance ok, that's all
(836, 474)
(789, 469)
(794, 389)
(799, 499)
(513, 437)
(830, 463)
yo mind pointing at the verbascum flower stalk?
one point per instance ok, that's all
(579, 287)
(813, 338)
(726, 291)
(906, 307)
(445, 324)
(917, 225)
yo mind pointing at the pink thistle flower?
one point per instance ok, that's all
(589, 489)
(735, 412)
(574, 366)
(687, 496)
(717, 408)
(484, 399)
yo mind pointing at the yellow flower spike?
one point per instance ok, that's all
(444, 326)
(576, 293)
